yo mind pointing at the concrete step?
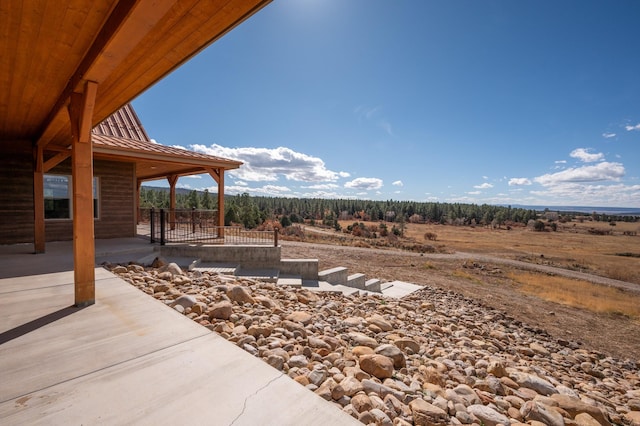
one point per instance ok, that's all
(336, 276)
(356, 281)
(290, 280)
(373, 285)
(267, 275)
(220, 268)
(324, 286)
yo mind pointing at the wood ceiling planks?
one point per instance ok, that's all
(49, 48)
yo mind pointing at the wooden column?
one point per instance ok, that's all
(81, 113)
(137, 213)
(38, 201)
(221, 200)
(218, 176)
(173, 180)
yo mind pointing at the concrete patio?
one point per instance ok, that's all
(127, 359)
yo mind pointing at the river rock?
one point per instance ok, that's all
(426, 414)
(221, 310)
(379, 366)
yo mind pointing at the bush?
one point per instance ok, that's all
(538, 226)
(430, 236)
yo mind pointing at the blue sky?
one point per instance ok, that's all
(498, 102)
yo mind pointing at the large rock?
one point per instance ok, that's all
(575, 406)
(186, 301)
(301, 317)
(394, 353)
(240, 295)
(380, 322)
(426, 414)
(361, 339)
(351, 386)
(584, 419)
(379, 366)
(221, 310)
(534, 410)
(533, 382)
(361, 402)
(487, 415)
(408, 345)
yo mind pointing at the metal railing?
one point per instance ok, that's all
(200, 226)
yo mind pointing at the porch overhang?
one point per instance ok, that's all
(67, 65)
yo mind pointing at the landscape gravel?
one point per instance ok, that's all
(432, 358)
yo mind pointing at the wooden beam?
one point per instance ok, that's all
(116, 20)
(80, 113)
(38, 201)
(55, 160)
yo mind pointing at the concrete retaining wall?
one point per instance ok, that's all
(247, 256)
(307, 269)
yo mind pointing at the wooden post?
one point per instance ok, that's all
(173, 179)
(38, 201)
(138, 185)
(218, 176)
(80, 113)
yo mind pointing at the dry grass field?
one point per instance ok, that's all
(572, 246)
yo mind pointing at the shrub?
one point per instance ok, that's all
(538, 226)
(430, 236)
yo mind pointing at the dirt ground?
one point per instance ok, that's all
(611, 334)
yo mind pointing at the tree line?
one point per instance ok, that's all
(252, 211)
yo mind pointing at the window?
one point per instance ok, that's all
(57, 197)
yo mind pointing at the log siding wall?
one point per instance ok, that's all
(116, 199)
(16, 195)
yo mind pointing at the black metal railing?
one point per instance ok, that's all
(186, 226)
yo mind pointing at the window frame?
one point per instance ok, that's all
(96, 196)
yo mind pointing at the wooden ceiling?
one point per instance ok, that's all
(48, 49)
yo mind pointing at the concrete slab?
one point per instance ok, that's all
(220, 268)
(399, 289)
(292, 281)
(129, 359)
(268, 275)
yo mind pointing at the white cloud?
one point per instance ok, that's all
(367, 184)
(630, 128)
(265, 164)
(608, 135)
(474, 192)
(398, 183)
(177, 146)
(561, 161)
(600, 172)
(268, 190)
(323, 186)
(519, 181)
(485, 185)
(585, 156)
(485, 177)
(191, 177)
(593, 195)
